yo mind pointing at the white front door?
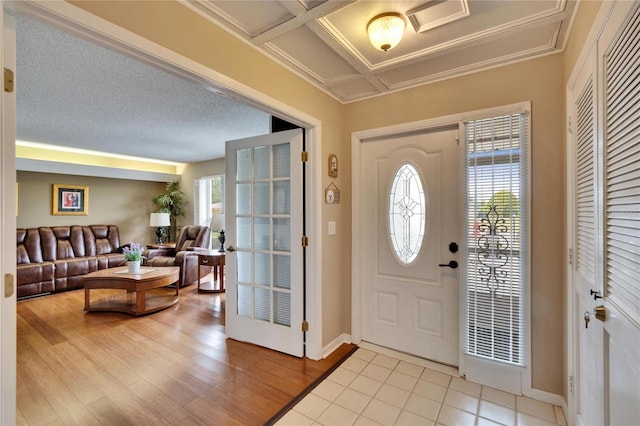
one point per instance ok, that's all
(8, 228)
(604, 187)
(264, 230)
(410, 226)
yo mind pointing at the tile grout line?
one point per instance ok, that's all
(466, 390)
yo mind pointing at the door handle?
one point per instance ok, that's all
(452, 264)
(231, 249)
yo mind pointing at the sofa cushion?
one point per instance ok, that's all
(28, 246)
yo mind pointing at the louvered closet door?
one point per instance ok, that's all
(606, 184)
(588, 386)
(621, 98)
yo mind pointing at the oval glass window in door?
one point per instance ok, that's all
(407, 213)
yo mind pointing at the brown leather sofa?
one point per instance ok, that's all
(184, 255)
(53, 259)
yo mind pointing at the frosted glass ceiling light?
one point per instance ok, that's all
(386, 30)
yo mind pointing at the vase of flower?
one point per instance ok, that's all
(133, 257)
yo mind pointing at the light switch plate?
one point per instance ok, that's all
(332, 228)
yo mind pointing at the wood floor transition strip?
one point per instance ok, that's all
(308, 389)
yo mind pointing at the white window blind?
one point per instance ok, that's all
(585, 180)
(202, 201)
(622, 166)
(496, 269)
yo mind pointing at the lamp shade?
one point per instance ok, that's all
(217, 221)
(159, 219)
(386, 30)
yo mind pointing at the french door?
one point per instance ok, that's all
(264, 230)
(410, 231)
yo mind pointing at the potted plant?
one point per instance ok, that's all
(133, 257)
(172, 201)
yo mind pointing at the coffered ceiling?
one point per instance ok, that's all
(325, 41)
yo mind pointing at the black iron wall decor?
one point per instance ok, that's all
(493, 250)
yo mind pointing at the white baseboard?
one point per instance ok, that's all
(549, 397)
(335, 344)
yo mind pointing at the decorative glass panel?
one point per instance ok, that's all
(243, 203)
(262, 269)
(243, 164)
(282, 308)
(281, 234)
(262, 162)
(262, 198)
(263, 304)
(263, 209)
(243, 232)
(281, 161)
(281, 271)
(244, 267)
(262, 228)
(407, 213)
(281, 197)
(244, 300)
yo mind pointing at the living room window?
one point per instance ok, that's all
(496, 214)
(208, 203)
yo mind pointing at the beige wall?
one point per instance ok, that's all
(121, 202)
(539, 81)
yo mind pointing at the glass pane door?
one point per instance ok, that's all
(264, 224)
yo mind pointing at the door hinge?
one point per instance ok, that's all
(304, 156)
(569, 128)
(305, 326)
(570, 256)
(305, 241)
(571, 390)
(8, 285)
(8, 80)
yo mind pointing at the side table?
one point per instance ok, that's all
(214, 259)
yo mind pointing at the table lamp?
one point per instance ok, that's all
(217, 223)
(159, 220)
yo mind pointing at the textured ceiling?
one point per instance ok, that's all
(75, 94)
(325, 41)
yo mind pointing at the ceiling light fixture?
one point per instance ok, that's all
(386, 30)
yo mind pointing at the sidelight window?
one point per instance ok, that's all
(496, 265)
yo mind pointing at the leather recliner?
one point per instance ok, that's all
(183, 255)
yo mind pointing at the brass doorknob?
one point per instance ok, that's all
(601, 313)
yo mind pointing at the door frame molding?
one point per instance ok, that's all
(80, 23)
(8, 200)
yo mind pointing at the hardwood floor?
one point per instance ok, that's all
(170, 367)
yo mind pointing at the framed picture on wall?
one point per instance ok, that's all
(70, 199)
(333, 165)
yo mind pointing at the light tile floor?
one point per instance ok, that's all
(379, 387)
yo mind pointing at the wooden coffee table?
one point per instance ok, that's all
(144, 292)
